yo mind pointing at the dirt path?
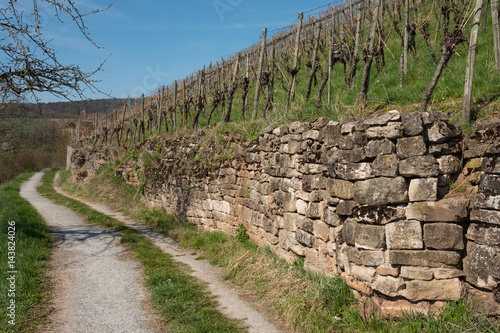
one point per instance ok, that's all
(97, 287)
(231, 304)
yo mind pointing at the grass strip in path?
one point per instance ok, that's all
(184, 303)
(31, 243)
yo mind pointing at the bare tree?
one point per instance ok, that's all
(28, 65)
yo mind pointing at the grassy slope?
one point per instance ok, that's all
(33, 247)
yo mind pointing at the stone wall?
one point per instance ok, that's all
(369, 200)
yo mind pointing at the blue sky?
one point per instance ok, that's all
(152, 42)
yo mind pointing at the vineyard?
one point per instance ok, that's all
(349, 59)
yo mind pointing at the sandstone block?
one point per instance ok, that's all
(379, 147)
(442, 131)
(416, 273)
(378, 214)
(424, 258)
(482, 265)
(419, 166)
(410, 147)
(484, 302)
(443, 236)
(313, 210)
(412, 124)
(301, 207)
(381, 191)
(404, 235)
(446, 273)
(447, 210)
(340, 188)
(390, 131)
(370, 237)
(294, 246)
(423, 189)
(385, 166)
(388, 271)
(434, 290)
(321, 230)
(448, 164)
(365, 274)
(290, 221)
(388, 285)
(353, 171)
(356, 285)
(313, 182)
(354, 255)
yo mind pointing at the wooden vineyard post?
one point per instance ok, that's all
(356, 47)
(259, 74)
(291, 89)
(232, 90)
(313, 62)
(131, 123)
(496, 37)
(407, 31)
(174, 115)
(143, 121)
(471, 59)
(184, 111)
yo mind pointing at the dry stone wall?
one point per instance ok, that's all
(367, 199)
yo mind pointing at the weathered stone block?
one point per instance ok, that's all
(448, 164)
(434, 290)
(404, 235)
(321, 230)
(447, 210)
(354, 255)
(353, 171)
(349, 231)
(443, 236)
(304, 238)
(313, 210)
(365, 274)
(424, 258)
(301, 206)
(423, 189)
(382, 119)
(372, 258)
(490, 184)
(298, 127)
(388, 285)
(485, 216)
(345, 207)
(385, 166)
(310, 134)
(313, 182)
(491, 165)
(432, 117)
(419, 166)
(370, 237)
(330, 217)
(446, 273)
(448, 148)
(484, 234)
(482, 265)
(416, 273)
(412, 123)
(378, 214)
(295, 247)
(381, 191)
(410, 147)
(486, 201)
(391, 131)
(388, 271)
(290, 221)
(379, 147)
(442, 131)
(340, 188)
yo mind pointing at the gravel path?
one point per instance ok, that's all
(97, 287)
(230, 303)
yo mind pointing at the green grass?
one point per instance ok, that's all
(33, 245)
(184, 303)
